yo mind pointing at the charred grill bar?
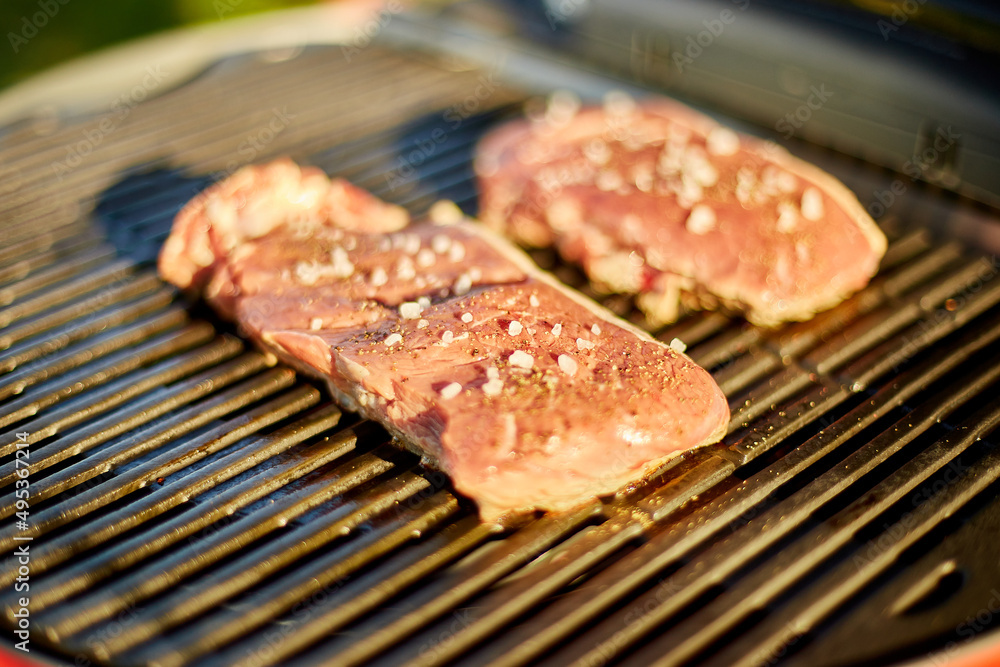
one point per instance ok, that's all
(193, 503)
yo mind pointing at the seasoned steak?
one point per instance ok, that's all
(526, 394)
(658, 200)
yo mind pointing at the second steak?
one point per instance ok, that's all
(655, 199)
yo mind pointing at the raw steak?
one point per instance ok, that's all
(658, 200)
(526, 394)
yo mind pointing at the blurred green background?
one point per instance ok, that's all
(40, 33)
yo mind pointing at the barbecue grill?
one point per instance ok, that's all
(192, 502)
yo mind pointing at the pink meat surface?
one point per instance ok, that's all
(528, 395)
(655, 199)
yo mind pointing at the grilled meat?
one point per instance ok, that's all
(525, 393)
(658, 200)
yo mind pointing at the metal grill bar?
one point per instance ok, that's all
(153, 406)
(202, 151)
(272, 601)
(14, 252)
(153, 296)
(144, 132)
(110, 272)
(24, 266)
(468, 535)
(96, 497)
(221, 542)
(68, 268)
(157, 577)
(100, 398)
(452, 590)
(102, 345)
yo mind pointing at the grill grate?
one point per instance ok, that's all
(192, 503)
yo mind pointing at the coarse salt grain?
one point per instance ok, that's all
(412, 245)
(597, 151)
(812, 204)
(392, 339)
(596, 329)
(405, 269)
(515, 328)
(423, 324)
(493, 387)
(410, 310)
(441, 244)
(788, 217)
(567, 364)
(306, 273)
(618, 103)
(533, 300)
(457, 252)
(521, 359)
(378, 277)
(561, 108)
(462, 285)
(466, 317)
(341, 265)
(426, 258)
(316, 324)
(722, 141)
(557, 329)
(447, 337)
(608, 180)
(677, 345)
(582, 344)
(701, 220)
(493, 372)
(451, 391)
(445, 212)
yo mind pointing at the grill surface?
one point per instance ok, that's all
(191, 503)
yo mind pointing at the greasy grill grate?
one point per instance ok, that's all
(192, 503)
